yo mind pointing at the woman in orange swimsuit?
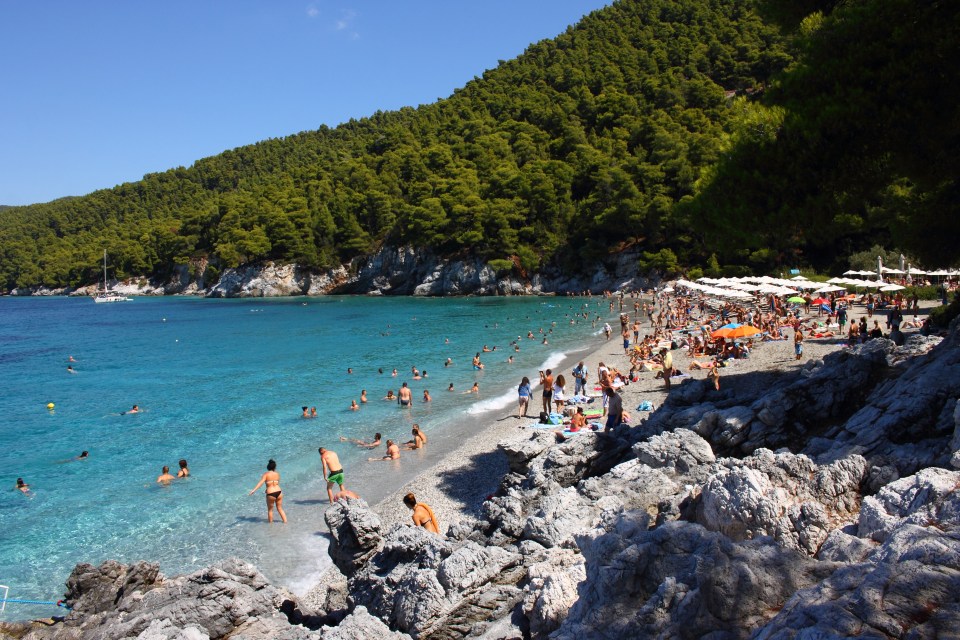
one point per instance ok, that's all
(274, 496)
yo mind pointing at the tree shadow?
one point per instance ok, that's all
(472, 482)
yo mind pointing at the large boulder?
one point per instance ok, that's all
(784, 496)
(418, 579)
(681, 581)
(906, 587)
(357, 534)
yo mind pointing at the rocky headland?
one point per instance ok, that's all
(813, 501)
(390, 271)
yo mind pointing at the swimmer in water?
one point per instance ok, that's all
(354, 406)
(306, 412)
(313, 412)
(165, 478)
(134, 409)
(184, 472)
(363, 396)
(393, 453)
(373, 444)
(390, 395)
(394, 374)
(448, 362)
(419, 439)
(474, 389)
(70, 369)
(274, 495)
(426, 396)
(450, 388)
(23, 487)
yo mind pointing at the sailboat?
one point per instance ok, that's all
(105, 295)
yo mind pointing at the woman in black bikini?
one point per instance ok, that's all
(274, 497)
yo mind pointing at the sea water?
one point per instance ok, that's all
(221, 383)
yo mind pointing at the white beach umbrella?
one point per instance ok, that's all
(895, 271)
(799, 278)
(830, 289)
(892, 287)
(852, 272)
(834, 280)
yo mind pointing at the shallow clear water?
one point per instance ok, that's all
(221, 383)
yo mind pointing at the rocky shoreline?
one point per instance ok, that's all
(390, 271)
(812, 500)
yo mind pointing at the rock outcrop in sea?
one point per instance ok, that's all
(819, 505)
(389, 271)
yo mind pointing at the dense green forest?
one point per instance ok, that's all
(748, 134)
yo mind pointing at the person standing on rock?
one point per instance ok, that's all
(332, 470)
(274, 496)
(423, 515)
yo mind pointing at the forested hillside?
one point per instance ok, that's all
(579, 146)
(692, 129)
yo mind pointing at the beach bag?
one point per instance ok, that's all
(646, 405)
(544, 418)
(555, 418)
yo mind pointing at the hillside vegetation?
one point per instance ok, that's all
(615, 134)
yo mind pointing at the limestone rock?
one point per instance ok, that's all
(681, 581)
(360, 625)
(357, 534)
(552, 589)
(681, 450)
(784, 496)
(908, 588)
(928, 498)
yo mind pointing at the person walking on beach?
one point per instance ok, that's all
(274, 496)
(332, 470)
(580, 380)
(423, 515)
(798, 343)
(546, 379)
(523, 397)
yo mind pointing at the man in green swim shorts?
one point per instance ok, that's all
(332, 470)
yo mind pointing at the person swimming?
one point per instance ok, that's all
(134, 409)
(165, 478)
(23, 487)
(184, 472)
(361, 443)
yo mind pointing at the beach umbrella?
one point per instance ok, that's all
(796, 299)
(819, 301)
(829, 289)
(744, 331)
(892, 287)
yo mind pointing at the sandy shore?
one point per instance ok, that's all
(457, 486)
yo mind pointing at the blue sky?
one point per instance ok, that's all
(95, 93)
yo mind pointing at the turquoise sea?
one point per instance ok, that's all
(221, 383)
